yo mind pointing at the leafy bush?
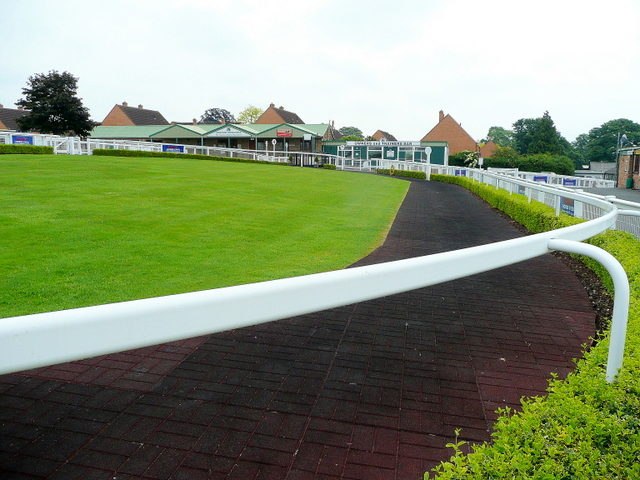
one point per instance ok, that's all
(25, 149)
(402, 173)
(139, 153)
(534, 163)
(585, 427)
(328, 166)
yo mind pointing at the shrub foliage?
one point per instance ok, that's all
(139, 153)
(402, 173)
(25, 149)
(584, 428)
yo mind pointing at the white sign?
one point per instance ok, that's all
(228, 132)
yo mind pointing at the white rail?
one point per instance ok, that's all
(48, 338)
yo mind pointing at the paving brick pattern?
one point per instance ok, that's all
(373, 390)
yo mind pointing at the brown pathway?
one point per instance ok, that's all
(368, 391)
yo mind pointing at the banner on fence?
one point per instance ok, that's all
(461, 173)
(173, 148)
(567, 205)
(572, 182)
(541, 178)
(22, 139)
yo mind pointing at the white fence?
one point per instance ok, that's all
(48, 338)
(78, 146)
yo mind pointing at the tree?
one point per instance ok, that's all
(602, 141)
(346, 131)
(217, 115)
(500, 136)
(53, 105)
(356, 138)
(250, 114)
(539, 135)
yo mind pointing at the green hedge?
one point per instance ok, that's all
(25, 149)
(328, 166)
(584, 428)
(402, 173)
(139, 153)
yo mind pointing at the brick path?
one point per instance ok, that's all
(367, 391)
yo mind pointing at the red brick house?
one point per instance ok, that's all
(488, 149)
(273, 115)
(448, 130)
(386, 136)
(9, 117)
(124, 115)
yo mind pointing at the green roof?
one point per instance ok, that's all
(261, 130)
(137, 131)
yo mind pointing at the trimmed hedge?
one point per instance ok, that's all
(139, 153)
(328, 166)
(584, 428)
(25, 149)
(402, 173)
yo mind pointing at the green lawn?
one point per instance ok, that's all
(80, 231)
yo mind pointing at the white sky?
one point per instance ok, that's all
(367, 63)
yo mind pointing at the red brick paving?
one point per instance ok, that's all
(367, 391)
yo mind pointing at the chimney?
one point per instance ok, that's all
(139, 106)
(272, 106)
(194, 121)
(1, 105)
(19, 108)
(281, 107)
(125, 104)
(441, 115)
(223, 121)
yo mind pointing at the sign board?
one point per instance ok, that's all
(541, 178)
(229, 132)
(461, 173)
(284, 132)
(173, 148)
(572, 182)
(371, 143)
(567, 205)
(22, 139)
(522, 190)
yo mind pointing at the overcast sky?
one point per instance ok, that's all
(368, 63)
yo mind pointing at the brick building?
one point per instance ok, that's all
(448, 130)
(124, 115)
(629, 168)
(273, 115)
(9, 117)
(384, 136)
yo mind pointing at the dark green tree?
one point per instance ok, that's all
(356, 138)
(603, 141)
(539, 135)
(351, 131)
(54, 106)
(217, 115)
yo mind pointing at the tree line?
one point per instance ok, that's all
(539, 137)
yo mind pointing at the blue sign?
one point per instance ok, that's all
(461, 173)
(522, 190)
(567, 206)
(541, 178)
(572, 182)
(173, 148)
(22, 139)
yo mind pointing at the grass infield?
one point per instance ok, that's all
(80, 231)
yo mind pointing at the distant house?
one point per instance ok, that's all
(275, 115)
(385, 136)
(9, 117)
(124, 116)
(448, 130)
(488, 149)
